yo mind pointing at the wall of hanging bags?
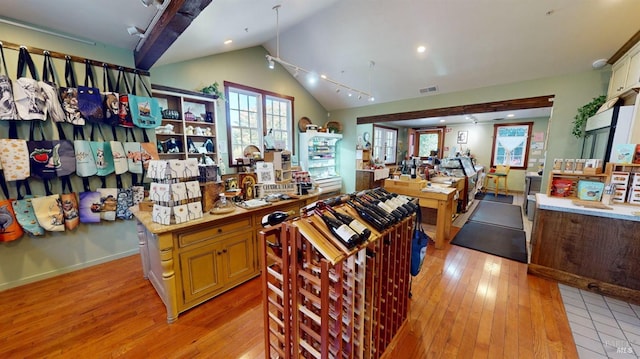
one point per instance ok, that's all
(40, 253)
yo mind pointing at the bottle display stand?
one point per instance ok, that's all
(322, 300)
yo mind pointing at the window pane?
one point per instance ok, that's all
(427, 142)
(510, 145)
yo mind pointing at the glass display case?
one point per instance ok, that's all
(319, 156)
(462, 167)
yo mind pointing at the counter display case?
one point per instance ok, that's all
(462, 167)
(319, 156)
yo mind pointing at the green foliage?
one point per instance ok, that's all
(584, 113)
(213, 90)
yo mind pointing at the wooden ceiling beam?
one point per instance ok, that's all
(174, 21)
(507, 105)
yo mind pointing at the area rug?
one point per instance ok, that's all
(497, 240)
(501, 214)
(493, 198)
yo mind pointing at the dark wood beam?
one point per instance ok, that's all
(507, 105)
(176, 18)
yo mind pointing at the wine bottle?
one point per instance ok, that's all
(394, 212)
(401, 199)
(388, 200)
(368, 217)
(392, 200)
(379, 212)
(276, 217)
(356, 225)
(341, 231)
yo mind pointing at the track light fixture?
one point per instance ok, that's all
(312, 77)
(135, 31)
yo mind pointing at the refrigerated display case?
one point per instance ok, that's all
(319, 156)
(462, 167)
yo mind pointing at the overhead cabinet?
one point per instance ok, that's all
(625, 73)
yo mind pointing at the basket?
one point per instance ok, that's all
(333, 127)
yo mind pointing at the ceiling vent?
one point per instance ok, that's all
(429, 89)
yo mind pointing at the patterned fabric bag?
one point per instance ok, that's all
(28, 97)
(51, 91)
(111, 99)
(89, 98)
(69, 96)
(10, 229)
(108, 203)
(7, 104)
(124, 113)
(125, 201)
(70, 210)
(48, 211)
(90, 207)
(102, 154)
(14, 156)
(27, 217)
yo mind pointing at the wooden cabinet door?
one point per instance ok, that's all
(618, 77)
(239, 257)
(200, 272)
(633, 77)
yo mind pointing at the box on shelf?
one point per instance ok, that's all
(561, 187)
(569, 165)
(590, 190)
(393, 185)
(579, 166)
(557, 165)
(592, 166)
(618, 177)
(634, 195)
(623, 153)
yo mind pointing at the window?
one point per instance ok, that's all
(253, 113)
(428, 141)
(511, 145)
(385, 142)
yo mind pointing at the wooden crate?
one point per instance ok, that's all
(400, 186)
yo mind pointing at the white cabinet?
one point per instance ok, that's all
(319, 156)
(193, 133)
(633, 78)
(625, 73)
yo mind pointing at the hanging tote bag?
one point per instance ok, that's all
(10, 229)
(26, 216)
(125, 201)
(28, 96)
(111, 99)
(418, 245)
(124, 113)
(69, 96)
(14, 156)
(51, 91)
(145, 110)
(44, 158)
(7, 104)
(89, 207)
(89, 98)
(48, 211)
(108, 203)
(134, 153)
(102, 154)
(70, 210)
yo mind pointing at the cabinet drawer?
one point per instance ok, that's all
(204, 234)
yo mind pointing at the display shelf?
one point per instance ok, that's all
(625, 177)
(193, 109)
(555, 189)
(281, 165)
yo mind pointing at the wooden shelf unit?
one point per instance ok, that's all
(323, 301)
(574, 178)
(281, 165)
(630, 189)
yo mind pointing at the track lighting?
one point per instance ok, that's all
(272, 65)
(135, 31)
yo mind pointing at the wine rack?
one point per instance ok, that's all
(322, 300)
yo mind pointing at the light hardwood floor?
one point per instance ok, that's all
(465, 304)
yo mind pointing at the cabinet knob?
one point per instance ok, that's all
(224, 250)
(219, 230)
(219, 253)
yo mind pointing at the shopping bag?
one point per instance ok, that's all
(14, 156)
(125, 202)
(10, 229)
(69, 96)
(26, 216)
(102, 154)
(419, 243)
(89, 98)
(70, 210)
(85, 164)
(108, 203)
(111, 99)
(124, 113)
(27, 95)
(44, 158)
(89, 207)
(7, 104)
(48, 211)
(51, 91)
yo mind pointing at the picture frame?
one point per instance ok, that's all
(463, 136)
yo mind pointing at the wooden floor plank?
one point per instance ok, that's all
(465, 303)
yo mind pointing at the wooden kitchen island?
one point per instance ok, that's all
(192, 262)
(587, 248)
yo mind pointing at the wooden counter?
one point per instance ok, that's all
(192, 262)
(592, 249)
(440, 198)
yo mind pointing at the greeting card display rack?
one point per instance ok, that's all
(175, 191)
(322, 300)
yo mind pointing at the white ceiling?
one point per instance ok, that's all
(470, 44)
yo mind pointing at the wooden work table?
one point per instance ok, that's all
(192, 262)
(429, 196)
(589, 248)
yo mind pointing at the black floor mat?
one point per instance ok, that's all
(501, 241)
(501, 214)
(493, 198)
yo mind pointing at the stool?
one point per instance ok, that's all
(501, 173)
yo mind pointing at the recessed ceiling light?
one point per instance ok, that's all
(227, 42)
(510, 115)
(443, 120)
(421, 49)
(599, 63)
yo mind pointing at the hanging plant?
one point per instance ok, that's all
(213, 90)
(584, 113)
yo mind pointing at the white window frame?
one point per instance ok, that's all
(265, 120)
(385, 144)
(517, 157)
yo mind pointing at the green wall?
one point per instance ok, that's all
(34, 258)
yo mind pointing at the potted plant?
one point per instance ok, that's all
(584, 113)
(213, 90)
